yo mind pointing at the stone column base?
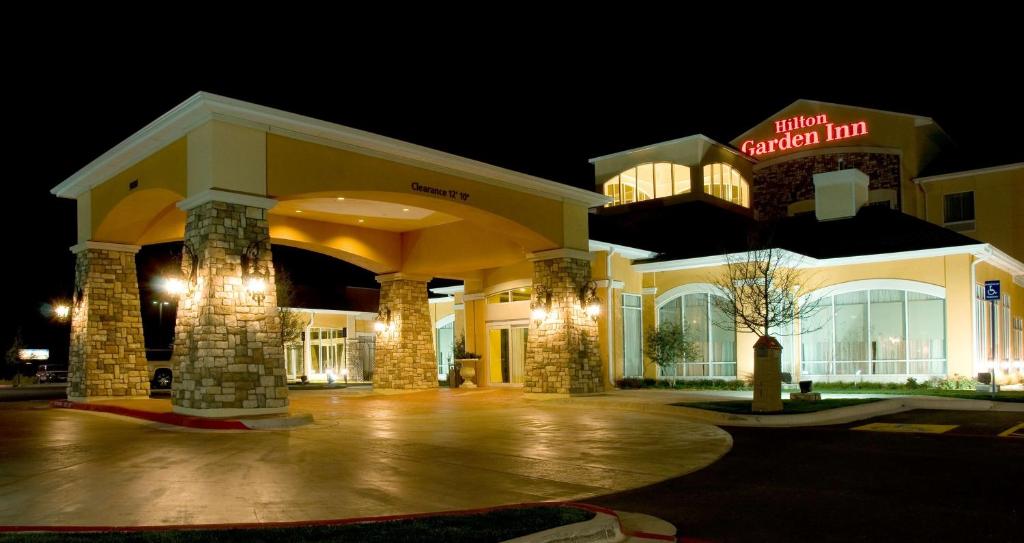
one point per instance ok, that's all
(229, 412)
(88, 399)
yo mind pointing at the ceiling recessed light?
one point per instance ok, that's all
(360, 220)
(405, 209)
(298, 211)
(341, 198)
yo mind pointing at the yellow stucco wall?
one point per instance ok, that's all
(998, 206)
(302, 168)
(120, 214)
(950, 272)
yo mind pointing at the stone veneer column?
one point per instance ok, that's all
(562, 353)
(404, 353)
(228, 358)
(107, 358)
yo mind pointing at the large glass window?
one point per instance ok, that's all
(875, 332)
(646, 181)
(632, 336)
(725, 182)
(715, 346)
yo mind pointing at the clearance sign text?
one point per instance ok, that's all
(803, 131)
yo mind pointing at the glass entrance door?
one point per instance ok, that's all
(507, 354)
(445, 339)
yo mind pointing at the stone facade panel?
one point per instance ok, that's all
(107, 356)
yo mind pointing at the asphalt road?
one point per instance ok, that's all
(838, 484)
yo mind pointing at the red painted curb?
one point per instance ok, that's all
(165, 418)
(299, 523)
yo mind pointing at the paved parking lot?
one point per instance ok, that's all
(366, 454)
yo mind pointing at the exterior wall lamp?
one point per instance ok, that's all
(589, 301)
(178, 286)
(540, 307)
(254, 275)
(383, 322)
(62, 311)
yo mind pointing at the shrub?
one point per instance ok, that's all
(957, 382)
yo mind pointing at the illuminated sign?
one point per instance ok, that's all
(801, 131)
(33, 354)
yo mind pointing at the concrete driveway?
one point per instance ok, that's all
(366, 455)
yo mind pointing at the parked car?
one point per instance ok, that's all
(160, 373)
(52, 373)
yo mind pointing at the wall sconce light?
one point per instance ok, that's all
(61, 312)
(589, 301)
(383, 321)
(540, 307)
(254, 275)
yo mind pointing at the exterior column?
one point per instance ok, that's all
(404, 352)
(228, 356)
(107, 358)
(562, 353)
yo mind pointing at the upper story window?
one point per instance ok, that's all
(521, 294)
(646, 181)
(958, 210)
(725, 182)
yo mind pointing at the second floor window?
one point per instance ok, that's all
(958, 207)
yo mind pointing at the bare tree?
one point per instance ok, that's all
(763, 289)
(291, 322)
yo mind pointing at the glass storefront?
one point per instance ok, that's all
(326, 354)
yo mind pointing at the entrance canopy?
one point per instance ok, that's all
(383, 204)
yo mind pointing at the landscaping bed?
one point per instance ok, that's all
(496, 525)
(789, 407)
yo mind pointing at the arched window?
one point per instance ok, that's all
(725, 182)
(646, 181)
(691, 306)
(885, 327)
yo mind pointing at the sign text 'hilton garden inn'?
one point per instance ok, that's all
(801, 131)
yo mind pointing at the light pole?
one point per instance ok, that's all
(160, 319)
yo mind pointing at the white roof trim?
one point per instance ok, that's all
(977, 171)
(202, 107)
(677, 140)
(441, 299)
(454, 289)
(627, 252)
(808, 262)
(919, 120)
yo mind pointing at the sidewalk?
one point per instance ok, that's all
(159, 410)
(660, 401)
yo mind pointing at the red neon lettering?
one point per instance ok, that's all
(788, 141)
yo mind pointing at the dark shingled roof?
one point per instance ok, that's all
(699, 229)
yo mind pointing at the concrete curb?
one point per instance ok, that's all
(188, 421)
(838, 415)
(606, 526)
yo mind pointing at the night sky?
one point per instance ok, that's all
(540, 112)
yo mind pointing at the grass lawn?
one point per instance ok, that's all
(789, 407)
(1008, 396)
(483, 527)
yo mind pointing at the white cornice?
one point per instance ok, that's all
(801, 261)
(965, 173)
(615, 284)
(315, 311)
(622, 250)
(473, 296)
(441, 299)
(401, 276)
(104, 246)
(202, 107)
(559, 253)
(214, 195)
(454, 289)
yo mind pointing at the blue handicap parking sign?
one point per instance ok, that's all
(992, 290)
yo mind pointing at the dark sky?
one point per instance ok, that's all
(540, 111)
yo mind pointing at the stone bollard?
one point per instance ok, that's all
(767, 376)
